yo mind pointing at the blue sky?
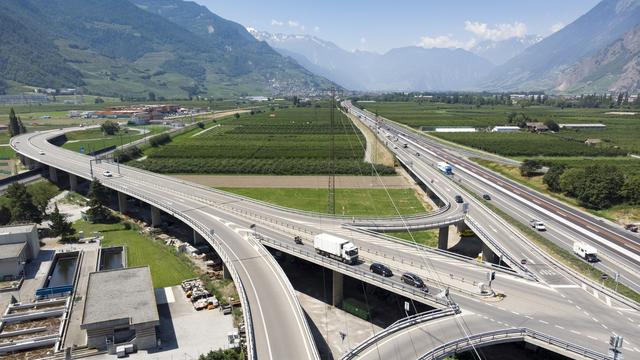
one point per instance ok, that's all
(378, 25)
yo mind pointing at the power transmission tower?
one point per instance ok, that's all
(331, 201)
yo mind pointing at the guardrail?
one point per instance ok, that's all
(351, 271)
(400, 325)
(509, 335)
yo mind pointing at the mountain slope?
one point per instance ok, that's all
(403, 69)
(116, 48)
(615, 68)
(499, 52)
(539, 66)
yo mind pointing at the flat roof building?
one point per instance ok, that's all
(583, 126)
(505, 129)
(120, 308)
(13, 257)
(27, 234)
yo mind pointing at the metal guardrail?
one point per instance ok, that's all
(400, 325)
(351, 271)
(509, 335)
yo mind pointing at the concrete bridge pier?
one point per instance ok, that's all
(337, 291)
(53, 174)
(29, 163)
(461, 226)
(443, 238)
(488, 255)
(155, 217)
(225, 272)
(197, 238)
(122, 204)
(73, 182)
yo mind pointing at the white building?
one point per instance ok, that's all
(456, 130)
(582, 126)
(505, 129)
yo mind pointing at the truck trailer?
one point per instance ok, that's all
(585, 251)
(336, 248)
(445, 168)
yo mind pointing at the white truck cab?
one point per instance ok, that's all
(585, 251)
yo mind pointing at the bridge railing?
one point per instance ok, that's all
(400, 325)
(509, 335)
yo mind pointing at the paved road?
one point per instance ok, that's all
(280, 328)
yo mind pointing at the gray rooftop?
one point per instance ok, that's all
(16, 229)
(9, 251)
(120, 293)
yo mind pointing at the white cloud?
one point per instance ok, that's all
(316, 29)
(444, 41)
(556, 27)
(275, 22)
(294, 24)
(363, 40)
(496, 32)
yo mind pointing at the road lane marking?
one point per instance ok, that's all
(544, 322)
(559, 327)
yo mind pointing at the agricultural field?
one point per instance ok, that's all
(292, 141)
(350, 202)
(619, 138)
(93, 139)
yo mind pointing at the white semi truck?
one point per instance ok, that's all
(445, 168)
(585, 251)
(336, 248)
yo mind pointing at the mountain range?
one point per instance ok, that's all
(173, 48)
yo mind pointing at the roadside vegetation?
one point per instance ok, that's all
(350, 202)
(283, 141)
(423, 237)
(26, 203)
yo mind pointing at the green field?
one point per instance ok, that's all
(425, 237)
(354, 202)
(294, 141)
(167, 267)
(94, 139)
(622, 131)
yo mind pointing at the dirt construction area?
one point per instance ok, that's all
(267, 181)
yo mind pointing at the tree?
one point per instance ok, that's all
(552, 125)
(109, 127)
(601, 187)
(59, 225)
(236, 115)
(552, 178)
(98, 192)
(631, 190)
(98, 213)
(228, 354)
(530, 168)
(151, 96)
(98, 100)
(5, 215)
(572, 181)
(21, 205)
(14, 125)
(200, 124)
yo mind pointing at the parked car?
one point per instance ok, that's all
(459, 199)
(381, 269)
(107, 173)
(41, 152)
(486, 197)
(538, 225)
(412, 279)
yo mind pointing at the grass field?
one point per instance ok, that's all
(353, 202)
(293, 141)
(94, 139)
(622, 131)
(425, 237)
(167, 268)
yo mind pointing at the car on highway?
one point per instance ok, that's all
(413, 280)
(41, 152)
(538, 225)
(381, 269)
(107, 173)
(459, 199)
(486, 197)
(417, 154)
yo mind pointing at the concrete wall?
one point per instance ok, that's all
(30, 237)
(145, 336)
(13, 266)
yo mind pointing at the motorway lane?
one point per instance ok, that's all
(280, 328)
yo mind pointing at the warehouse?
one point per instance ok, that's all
(18, 245)
(120, 309)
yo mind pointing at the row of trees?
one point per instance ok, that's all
(16, 127)
(595, 186)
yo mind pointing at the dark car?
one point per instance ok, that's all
(381, 269)
(486, 197)
(412, 279)
(459, 199)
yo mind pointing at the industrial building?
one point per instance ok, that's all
(505, 129)
(120, 309)
(583, 126)
(18, 245)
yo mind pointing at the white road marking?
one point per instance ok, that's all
(608, 300)
(544, 322)
(576, 332)
(559, 327)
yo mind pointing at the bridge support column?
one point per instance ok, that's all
(225, 272)
(53, 174)
(488, 255)
(122, 204)
(155, 216)
(73, 182)
(443, 238)
(197, 238)
(461, 226)
(337, 292)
